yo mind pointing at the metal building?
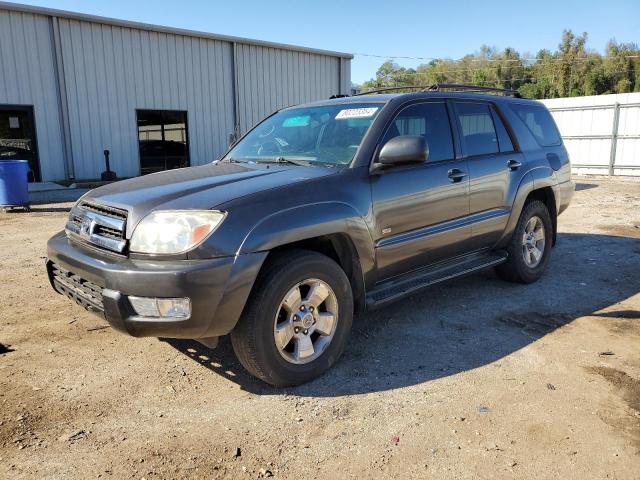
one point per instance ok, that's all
(74, 85)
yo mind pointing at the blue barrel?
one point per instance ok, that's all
(14, 186)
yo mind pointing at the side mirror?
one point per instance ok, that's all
(403, 150)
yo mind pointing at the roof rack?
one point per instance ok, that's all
(457, 87)
(421, 88)
(449, 87)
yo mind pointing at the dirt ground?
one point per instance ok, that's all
(475, 378)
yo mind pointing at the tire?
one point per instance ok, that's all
(517, 268)
(272, 308)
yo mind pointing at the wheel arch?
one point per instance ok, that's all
(546, 196)
(536, 184)
(333, 229)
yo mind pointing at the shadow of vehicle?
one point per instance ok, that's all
(585, 186)
(460, 325)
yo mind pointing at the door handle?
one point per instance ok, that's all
(455, 175)
(513, 164)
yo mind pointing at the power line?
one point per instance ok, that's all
(465, 70)
(520, 59)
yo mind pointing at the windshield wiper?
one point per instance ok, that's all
(290, 161)
(235, 160)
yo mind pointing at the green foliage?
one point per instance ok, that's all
(572, 70)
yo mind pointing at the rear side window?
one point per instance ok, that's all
(429, 120)
(539, 122)
(476, 128)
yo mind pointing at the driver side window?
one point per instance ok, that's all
(429, 120)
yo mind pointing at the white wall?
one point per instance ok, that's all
(587, 128)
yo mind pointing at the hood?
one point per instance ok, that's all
(202, 187)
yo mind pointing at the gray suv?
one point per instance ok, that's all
(320, 211)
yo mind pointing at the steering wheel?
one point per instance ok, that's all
(267, 148)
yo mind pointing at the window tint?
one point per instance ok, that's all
(504, 141)
(539, 122)
(429, 120)
(476, 128)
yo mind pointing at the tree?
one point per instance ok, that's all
(571, 70)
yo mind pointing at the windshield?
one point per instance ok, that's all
(327, 135)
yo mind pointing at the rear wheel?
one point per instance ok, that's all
(530, 246)
(297, 321)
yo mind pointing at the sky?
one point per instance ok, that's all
(390, 29)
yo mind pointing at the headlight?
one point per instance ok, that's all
(174, 231)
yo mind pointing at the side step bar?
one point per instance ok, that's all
(397, 288)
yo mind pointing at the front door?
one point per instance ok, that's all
(18, 137)
(419, 210)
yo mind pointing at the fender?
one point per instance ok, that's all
(280, 228)
(308, 221)
(538, 177)
(525, 187)
(543, 176)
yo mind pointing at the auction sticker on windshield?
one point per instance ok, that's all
(356, 113)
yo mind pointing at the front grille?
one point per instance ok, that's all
(100, 225)
(108, 232)
(104, 210)
(76, 288)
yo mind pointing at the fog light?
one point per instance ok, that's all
(178, 308)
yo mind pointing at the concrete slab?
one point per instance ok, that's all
(44, 187)
(57, 196)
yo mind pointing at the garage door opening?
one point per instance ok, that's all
(18, 137)
(163, 140)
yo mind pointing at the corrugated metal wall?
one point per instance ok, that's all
(27, 77)
(87, 77)
(601, 133)
(111, 72)
(270, 79)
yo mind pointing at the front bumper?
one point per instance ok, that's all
(218, 288)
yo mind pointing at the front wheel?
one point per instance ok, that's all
(530, 246)
(297, 321)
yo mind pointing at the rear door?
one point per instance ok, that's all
(494, 169)
(419, 210)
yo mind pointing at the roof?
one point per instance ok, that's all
(387, 97)
(51, 12)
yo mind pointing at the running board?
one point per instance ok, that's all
(397, 288)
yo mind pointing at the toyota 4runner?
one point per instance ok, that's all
(320, 211)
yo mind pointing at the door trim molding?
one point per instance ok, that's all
(444, 227)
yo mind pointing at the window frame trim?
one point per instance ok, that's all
(495, 113)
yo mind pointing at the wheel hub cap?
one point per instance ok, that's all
(533, 242)
(306, 321)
